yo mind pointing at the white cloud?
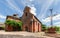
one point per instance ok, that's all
(31, 0)
(12, 5)
(56, 2)
(26, 2)
(57, 17)
(2, 17)
(33, 9)
(45, 7)
(46, 19)
(57, 23)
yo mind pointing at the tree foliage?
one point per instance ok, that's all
(14, 24)
(43, 27)
(57, 28)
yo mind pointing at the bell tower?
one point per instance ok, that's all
(27, 9)
(26, 19)
(26, 13)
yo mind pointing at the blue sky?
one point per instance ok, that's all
(39, 7)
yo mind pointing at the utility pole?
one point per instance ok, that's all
(51, 17)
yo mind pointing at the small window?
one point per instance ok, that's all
(26, 14)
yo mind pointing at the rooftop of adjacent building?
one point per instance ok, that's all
(16, 16)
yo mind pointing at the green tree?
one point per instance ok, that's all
(19, 25)
(7, 22)
(43, 27)
(57, 28)
(10, 22)
(14, 24)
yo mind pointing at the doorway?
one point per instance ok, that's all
(26, 28)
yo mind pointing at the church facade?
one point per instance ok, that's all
(30, 22)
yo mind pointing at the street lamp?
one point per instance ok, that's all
(51, 30)
(51, 17)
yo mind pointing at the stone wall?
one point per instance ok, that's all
(30, 22)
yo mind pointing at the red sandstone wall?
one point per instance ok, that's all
(37, 27)
(26, 21)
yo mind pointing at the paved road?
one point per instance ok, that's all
(23, 34)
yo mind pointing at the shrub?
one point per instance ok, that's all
(14, 24)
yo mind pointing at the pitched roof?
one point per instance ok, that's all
(14, 17)
(37, 19)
